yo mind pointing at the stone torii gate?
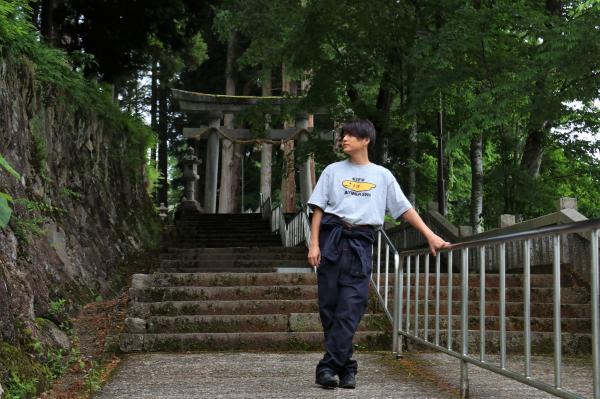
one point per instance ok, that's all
(214, 107)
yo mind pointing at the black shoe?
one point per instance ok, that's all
(348, 381)
(327, 380)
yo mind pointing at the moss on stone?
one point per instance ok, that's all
(20, 374)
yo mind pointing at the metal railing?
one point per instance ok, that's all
(415, 326)
(293, 233)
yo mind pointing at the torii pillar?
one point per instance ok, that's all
(306, 181)
(212, 164)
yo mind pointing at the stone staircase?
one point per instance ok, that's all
(575, 313)
(228, 284)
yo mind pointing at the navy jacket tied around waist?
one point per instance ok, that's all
(359, 238)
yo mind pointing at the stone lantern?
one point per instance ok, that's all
(190, 164)
(162, 211)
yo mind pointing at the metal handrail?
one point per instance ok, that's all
(406, 279)
(376, 275)
(575, 227)
(293, 233)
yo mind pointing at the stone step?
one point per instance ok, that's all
(199, 245)
(277, 249)
(144, 310)
(224, 229)
(542, 310)
(234, 257)
(292, 322)
(231, 235)
(237, 229)
(541, 342)
(155, 294)
(231, 241)
(222, 279)
(224, 263)
(223, 216)
(492, 323)
(264, 341)
(210, 269)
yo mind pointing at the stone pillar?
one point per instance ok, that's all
(306, 185)
(465, 231)
(266, 150)
(212, 165)
(567, 203)
(288, 180)
(506, 220)
(190, 167)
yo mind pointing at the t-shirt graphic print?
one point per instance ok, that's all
(358, 186)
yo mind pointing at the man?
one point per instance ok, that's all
(349, 202)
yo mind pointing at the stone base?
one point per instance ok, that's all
(191, 205)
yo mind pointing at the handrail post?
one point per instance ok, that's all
(400, 288)
(396, 348)
(378, 286)
(527, 304)
(556, 313)
(595, 312)
(464, 322)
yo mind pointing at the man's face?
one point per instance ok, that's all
(352, 145)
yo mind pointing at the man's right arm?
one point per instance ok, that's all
(314, 252)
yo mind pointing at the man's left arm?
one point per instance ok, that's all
(435, 242)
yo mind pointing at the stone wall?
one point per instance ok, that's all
(82, 207)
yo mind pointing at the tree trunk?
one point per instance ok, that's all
(154, 117)
(288, 180)
(477, 183)
(163, 191)
(533, 152)
(442, 164)
(385, 97)
(412, 162)
(227, 189)
(266, 150)
(536, 135)
(48, 28)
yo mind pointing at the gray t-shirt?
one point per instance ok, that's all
(359, 194)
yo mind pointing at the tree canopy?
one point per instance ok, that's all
(510, 88)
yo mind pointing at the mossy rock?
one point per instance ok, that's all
(31, 376)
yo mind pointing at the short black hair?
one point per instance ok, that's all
(360, 128)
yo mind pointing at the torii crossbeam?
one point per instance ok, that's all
(214, 106)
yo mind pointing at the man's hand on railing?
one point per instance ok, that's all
(314, 255)
(436, 243)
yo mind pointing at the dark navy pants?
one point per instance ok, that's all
(343, 297)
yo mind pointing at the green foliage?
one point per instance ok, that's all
(5, 199)
(94, 377)
(65, 192)
(18, 389)
(39, 153)
(153, 176)
(57, 308)
(32, 214)
(5, 209)
(22, 375)
(6, 166)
